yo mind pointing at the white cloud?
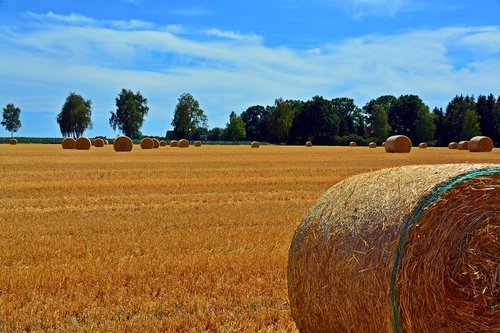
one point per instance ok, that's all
(362, 8)
(233, 35)
(191, 11)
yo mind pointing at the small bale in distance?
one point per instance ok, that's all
(369, 246)
(255, 144)
(174, 143)
(352, 144)
(156, 143)
(422, 145)
(163, 143)
(183, 143)
(480, 144)
(372, 145)
(463, 145)
(453, 145)
(13, 141)
(92, 142)
(197, 143)
(83, 143)
(147, 143)
(398, 144)
(99, 143)
(68, 143)
(123, 144)
(383, 144)
(309, 144)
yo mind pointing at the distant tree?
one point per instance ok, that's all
(496, 133)
(485, 109)
(188, 116)
(216, 134)
(470, 124)
(130, 112)
(10, 117)
(279, 120)
(379, 123)
(346, 108)
(425, 128)
(75, 115)
(404, 117)
(461, 121)
(255, 121)
(235, 129)
(440, 134)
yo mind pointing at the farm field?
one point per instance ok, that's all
(170, 239)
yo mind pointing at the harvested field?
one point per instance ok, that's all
(102, 241)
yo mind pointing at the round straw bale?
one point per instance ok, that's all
(422, 145)
(99, 143)
(156, 143)
(13, 141)
(255, 144)
(163, 143)
(406, 249)
(372, 145)
(68, 143)
(123, 143)
(452, 145)
(147, 143)
(106, 142)
(183, 143)
(480, 144)
(383, 144)
(83, 143)
(463, 145)
(174, 143)
(352, 144)
(398, 144)
(309, 144)
(197, 143)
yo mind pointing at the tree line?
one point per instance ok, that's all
(323, 121)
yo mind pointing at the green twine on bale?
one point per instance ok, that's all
(426, 203)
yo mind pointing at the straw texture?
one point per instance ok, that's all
(422, 145)
(183, 143)
(68, 143)
(99, 143)
(147, 143)
(123, 143)
(480, 144)
(83, 143)
(163, 143)
(255, 144)
(156, 143)
(174, 143)
(463, 145)
(453, 145)
(398, 144)
(420, 257)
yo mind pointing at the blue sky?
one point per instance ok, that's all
(233, 54)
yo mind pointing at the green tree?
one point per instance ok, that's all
(440, 133)
(279, 120)
(216, 134)
(461, 119)
(404, 117)
(130, 112)
(75, 116)
(425, 128)
(485, 109)
(380, 126)
(470, 124)
(10, 118)
(188, 116)
(254, 118)
(235, 128)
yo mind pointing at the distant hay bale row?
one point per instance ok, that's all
(163, 143)
(183, 143)
(123, 144)
(406, 249)
(147, 143)
(352, 144)
(13, 142)
(68, 143)
(174, 143)
(452, 145)
(83, 143)
(98, 143)
(480, 144)
(255, 144)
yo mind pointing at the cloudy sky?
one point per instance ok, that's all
(233, 54)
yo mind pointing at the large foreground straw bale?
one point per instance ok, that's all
(68, 143)
(99, 143)
(147, 143)
(13, 141)
(123, 143)
(183, 143)
(480, 144)
(407, 249)
(398, 144)
(83, 143)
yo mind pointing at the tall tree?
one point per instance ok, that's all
(130, 112)
(75, 116)
(485, 109)
(425, 128)
(235, 128)
(188, 116)
(346, 108)
(461, 119)
(254, 118)
(10, 118)
(405, 114)
(440, 134)
(279, 120)
(380, 127)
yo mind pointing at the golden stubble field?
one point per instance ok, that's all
(170, 239)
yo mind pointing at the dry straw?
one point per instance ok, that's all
(480, 144)
(463, 145)
(68, 143)
(98, 143)
(156, 143)
(147, 143)
(255, 144)
(407, 249)
(197, 143)
(452, 145)
(422, 145)
(123, 143)
(83, 143)
(398, 144)
(309, 144)
(183, 143)
(106, 142)
(383, 144)
(174, 143)
(372, 145)
(13, 141)
(163, 143)
(352, 144)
